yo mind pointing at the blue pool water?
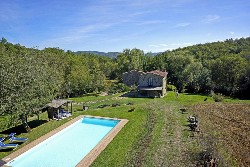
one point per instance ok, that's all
(68, 147)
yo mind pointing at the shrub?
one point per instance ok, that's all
(115, 104)
(130, 103)
(171, 87)
(118, 88)
(103, 105)
(218, 97)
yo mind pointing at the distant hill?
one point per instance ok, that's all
(154, 54)
(108, 54)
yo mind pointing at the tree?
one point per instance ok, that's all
(27, 81)
(226, 73)
(197, 77)
(3, 41)
(175, 66)
(130, 60)
(244, 89)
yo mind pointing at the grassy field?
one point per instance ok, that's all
(157, 133)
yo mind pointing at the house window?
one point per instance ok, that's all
(150, 81)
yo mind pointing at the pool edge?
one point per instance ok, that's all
(32, 144)
(87, 159)
(95, 152)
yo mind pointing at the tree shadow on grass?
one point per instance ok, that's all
(36, 123)
(5, 150)
(20, 129)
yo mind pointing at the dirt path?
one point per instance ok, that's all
(172, 144)
(168, 151)
(168, 141)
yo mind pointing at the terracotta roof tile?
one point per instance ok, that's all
(158, 72)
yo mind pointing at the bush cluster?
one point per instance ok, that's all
(118, 88)
(218, 97)
(171, 88)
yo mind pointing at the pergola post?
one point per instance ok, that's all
(67, 105)
(71, 111)
(58, 114)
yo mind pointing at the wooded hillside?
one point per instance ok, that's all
(30, 77)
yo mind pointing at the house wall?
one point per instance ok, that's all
(142, 79)
(164, 86)
(156, 80)
(131, 78)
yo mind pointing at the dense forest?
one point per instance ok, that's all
(30, 77)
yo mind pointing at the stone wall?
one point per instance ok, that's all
(131, 78)
(157, 81)
(164, 86)
(150, 79)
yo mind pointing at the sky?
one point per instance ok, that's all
(115, 25)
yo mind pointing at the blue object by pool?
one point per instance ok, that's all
(68, 147)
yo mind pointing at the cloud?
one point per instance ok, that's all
(76, 34)
(135, 14)
(232, 33)
(150, 22)
(210, 19)
(10, 17)
(158, 45)
(8, 11)
(182, 25)
(164, 47)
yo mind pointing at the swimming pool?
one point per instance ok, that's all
(68, 147)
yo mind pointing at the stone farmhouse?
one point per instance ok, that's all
(149, 84)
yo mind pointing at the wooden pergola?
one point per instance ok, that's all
(57, 104)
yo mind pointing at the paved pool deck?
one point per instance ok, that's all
(89, 158)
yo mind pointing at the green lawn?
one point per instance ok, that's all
(156, 134)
